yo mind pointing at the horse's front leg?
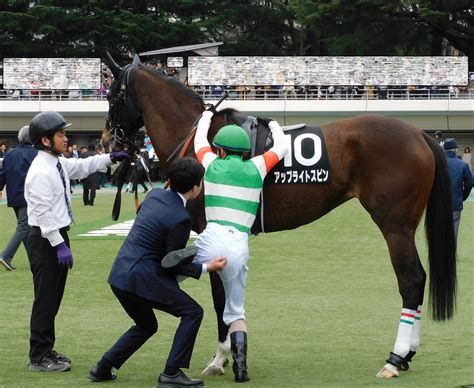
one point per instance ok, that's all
(219, 361)
(411, 282)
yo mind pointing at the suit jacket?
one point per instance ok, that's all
(92, 181)
(162, 225)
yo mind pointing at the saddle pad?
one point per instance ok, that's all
(307, 160)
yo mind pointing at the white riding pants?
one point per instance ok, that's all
(218, 240)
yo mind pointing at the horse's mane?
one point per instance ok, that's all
(227, 111)
(174, 83)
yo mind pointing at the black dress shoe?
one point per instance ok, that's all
(96, 374)
(178, 380)
(180, 256)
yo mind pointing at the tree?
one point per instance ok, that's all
(380, 27)
(82, 28)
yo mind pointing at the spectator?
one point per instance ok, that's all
(3, 150)
(160, 69)
(439, 137)
(75, 153)
(103, 172)
(149, 66)
(467, 157)
(68, 153)
(91, 183)
(461, 181)
(173, 72)
(15, 167)
(138, 172)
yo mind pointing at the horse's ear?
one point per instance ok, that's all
(114, 68)
(136, 60)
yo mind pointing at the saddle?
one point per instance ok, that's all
(261, 140)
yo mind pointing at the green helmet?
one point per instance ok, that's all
(232, 138)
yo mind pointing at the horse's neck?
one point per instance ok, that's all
(167, 122)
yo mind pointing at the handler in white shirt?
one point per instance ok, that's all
(48, 197)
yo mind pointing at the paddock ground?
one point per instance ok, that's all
(322, 309)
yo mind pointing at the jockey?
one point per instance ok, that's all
(232, 192)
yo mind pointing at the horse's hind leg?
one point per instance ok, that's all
(411, 279)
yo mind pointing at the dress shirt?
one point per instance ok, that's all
(204, 265)
(44, 190)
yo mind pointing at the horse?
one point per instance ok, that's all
(395, 170)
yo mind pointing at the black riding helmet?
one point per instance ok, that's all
(46, 124)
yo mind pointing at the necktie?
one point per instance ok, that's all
(68, 205)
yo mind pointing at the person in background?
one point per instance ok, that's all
(15, 167)
(439, 137)
(68, 152)
(467, 157)
(91, 183)
(138, 172)
(102, 173)
(48, 198)
(141, 282)
(75, 153)
(3, 151)
(461, 181)
(232, 192)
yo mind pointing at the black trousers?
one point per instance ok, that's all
(49, 280)
(88, 196)
(141, 311)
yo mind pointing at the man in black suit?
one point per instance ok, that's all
(142, 284)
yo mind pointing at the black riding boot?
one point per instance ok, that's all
(238, 346)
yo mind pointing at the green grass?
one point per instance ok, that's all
(322, 310)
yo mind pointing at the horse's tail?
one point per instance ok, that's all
(441, 241)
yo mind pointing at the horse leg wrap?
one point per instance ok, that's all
(408, 358)
(397, 361)
(238, 346)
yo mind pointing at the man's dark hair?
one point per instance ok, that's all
(184, 174)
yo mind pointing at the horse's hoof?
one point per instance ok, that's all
(386, 373)
(213, 370)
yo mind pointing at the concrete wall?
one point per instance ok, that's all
(455, 117)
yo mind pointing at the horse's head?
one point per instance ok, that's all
(124, 117)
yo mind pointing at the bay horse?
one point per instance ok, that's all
(394, 169)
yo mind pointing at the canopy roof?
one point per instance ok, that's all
(210, 49)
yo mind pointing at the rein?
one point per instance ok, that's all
(185, 144)
(183, 147)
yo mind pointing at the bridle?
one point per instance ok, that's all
(123, 99)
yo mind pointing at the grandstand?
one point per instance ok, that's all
(440, 94)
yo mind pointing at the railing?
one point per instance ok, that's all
(270, 93)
